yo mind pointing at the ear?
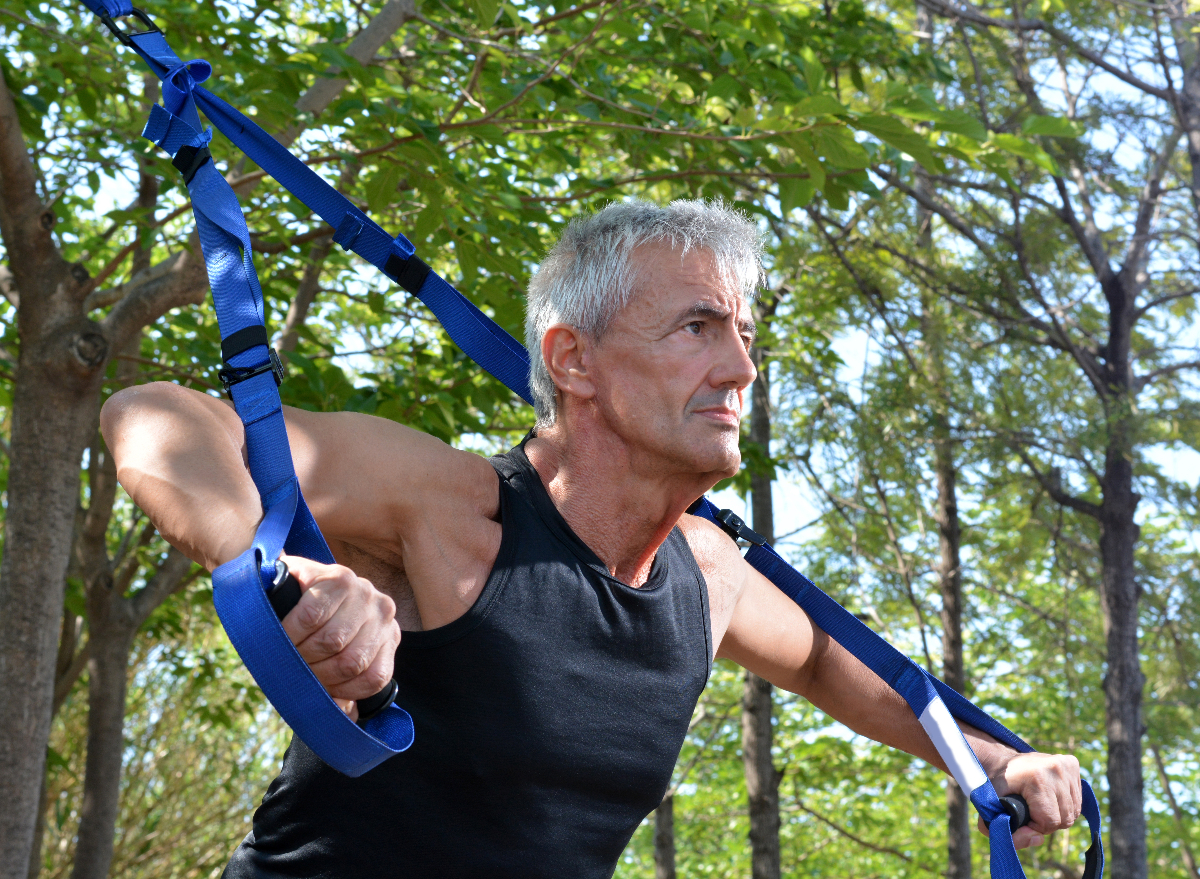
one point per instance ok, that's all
(565, 350)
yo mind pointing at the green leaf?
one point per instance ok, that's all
(381, 187)
(431, 130)
(1051, 126)
(896, 134)
(803, 146)
(819, 105)
(724, 86)
(509, 199)
(836, 195)
(839, 147)
(1014, 145)
(486, 10)
(795, 192)
(958, 122)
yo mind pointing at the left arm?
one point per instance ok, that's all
(773, 637)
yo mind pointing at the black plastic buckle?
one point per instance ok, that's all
(733, 525)
(232, 375)
(127, 38)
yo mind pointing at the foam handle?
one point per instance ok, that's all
(284, 595)
(1017, 809)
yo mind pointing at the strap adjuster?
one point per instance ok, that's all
(127, 38)
(232, 375)
(189, 160)
(733, 525)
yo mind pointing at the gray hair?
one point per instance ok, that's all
(587, 277)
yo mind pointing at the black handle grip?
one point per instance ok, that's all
(284, 595)
(1017, 809)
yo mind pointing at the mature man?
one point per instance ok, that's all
(560, 609)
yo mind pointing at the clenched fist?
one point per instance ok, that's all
(1050, 784)
(344, 628)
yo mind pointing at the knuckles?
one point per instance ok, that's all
(350, 663)
(348, 624)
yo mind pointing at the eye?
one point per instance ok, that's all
(695, 327)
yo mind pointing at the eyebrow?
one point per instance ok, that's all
(705, 309)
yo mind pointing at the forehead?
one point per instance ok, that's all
(665, 281)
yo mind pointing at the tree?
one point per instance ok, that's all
(472, 134)
(762, 780)
(1128, 227)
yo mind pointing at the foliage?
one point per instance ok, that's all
(483, 127)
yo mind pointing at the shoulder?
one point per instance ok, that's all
(417, 473)
(721, 563)
(714, 550)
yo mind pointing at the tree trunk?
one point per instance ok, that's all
(762, 780)
(55, 403)
(1124, 681)
(949, 570)
(664, 838)
(111, 633)
(55, 406)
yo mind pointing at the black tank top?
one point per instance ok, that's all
(548, 721)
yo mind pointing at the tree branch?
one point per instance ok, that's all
(175, 572)
(177, 281)
(972, 14)
(1141, 381)
(362, 48)
(1051, 483)
(25, 230)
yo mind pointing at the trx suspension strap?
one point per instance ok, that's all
(245, 587)
(936, 705)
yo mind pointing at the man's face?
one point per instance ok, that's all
(671, 369)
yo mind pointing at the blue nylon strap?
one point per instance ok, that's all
(474, 332)
(239, 586)
(287, 521)
(110, 8)
(918, 688)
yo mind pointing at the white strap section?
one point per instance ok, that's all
(949, 741)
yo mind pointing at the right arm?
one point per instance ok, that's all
(180, 455)
(396, 494)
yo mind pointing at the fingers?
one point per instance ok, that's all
(344, 628)
(1051, 785)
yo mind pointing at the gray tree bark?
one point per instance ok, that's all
(949, 570)
(55, 408)
(114, 618)
(762, 779)
(55, 401)
(664, 838)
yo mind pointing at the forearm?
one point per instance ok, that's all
(179, 456)
(839, 684)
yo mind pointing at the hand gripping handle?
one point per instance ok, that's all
(284, 595)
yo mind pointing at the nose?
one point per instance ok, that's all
(734, 369)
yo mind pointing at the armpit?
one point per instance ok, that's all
(386, 575)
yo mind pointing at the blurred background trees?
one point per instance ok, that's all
(976, 423)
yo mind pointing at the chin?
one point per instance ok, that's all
(720, 461)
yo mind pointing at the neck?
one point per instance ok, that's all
(620, 503)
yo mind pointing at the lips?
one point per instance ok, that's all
(722, 414)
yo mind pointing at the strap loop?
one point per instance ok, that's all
(408, 273)
(243, 340)
(189, 159)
